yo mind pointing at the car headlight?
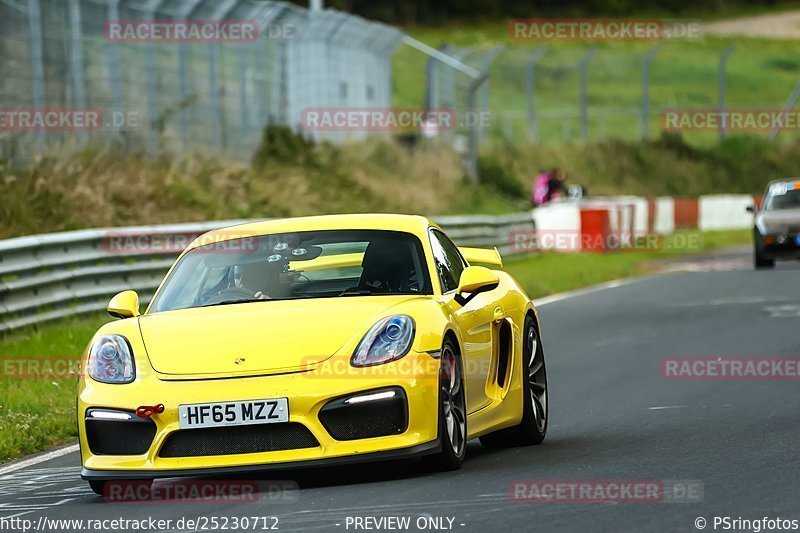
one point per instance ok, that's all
(389, 339)
(110, 360)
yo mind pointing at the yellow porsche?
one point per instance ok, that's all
(309, 342)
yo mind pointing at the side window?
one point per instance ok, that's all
(448, 260)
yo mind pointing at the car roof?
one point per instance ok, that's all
(415, 224)
(783, 180)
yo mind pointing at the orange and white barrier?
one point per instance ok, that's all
(605, 223)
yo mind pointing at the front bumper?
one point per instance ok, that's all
(413, 452)
(307, 393)
(788, 249)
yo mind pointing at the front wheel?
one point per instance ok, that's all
(763, 262)
(452, 412)
(533, 427)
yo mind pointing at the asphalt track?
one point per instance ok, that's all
(612, 417)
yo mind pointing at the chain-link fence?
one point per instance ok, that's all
(155, 91)
(556, 93)
(181, 75)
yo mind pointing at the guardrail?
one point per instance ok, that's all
(56, 275)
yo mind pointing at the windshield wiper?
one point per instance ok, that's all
(367, 292)
(239, 301)
(357, 292)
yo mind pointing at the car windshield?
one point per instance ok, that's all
(783, 196)
(289, 266)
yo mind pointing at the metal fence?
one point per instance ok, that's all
(557, 93)
(212, 95)
(52, 276)
(216, 96)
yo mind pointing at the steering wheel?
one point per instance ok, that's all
(230, 293)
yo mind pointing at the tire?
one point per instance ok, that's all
(452, 412)
(763, 262)
(98, 486)
(533, 426)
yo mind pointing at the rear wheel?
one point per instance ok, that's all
(452, 412)
(533, 427)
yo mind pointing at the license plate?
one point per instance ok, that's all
(207, 415)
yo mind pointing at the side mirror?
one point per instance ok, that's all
(475, 280)
(751, 209)
(124, 305)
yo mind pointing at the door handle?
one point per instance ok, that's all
(498, 314)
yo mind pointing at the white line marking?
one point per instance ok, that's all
(662, 407)
(538, 302)
(25, 463)
(18, 514)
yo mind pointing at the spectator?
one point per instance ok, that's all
(548, 186)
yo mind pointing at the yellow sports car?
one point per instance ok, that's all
(313, 341)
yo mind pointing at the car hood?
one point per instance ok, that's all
(781, 220)
(258, 338)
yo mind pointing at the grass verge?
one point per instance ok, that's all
(36, 414)
(552, 272)
(39, 413)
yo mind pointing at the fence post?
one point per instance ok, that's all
(152, 84)
(648, 60)
(584, 90)
(530, 82)
(432, 79)
(790, 103)
(37, 66)
(471, 163)
(183, 76)
(473, 136)
(217, 121)
(244, 111)
(722, 83)
(115, 62)
(448, 79)
(76, 61)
